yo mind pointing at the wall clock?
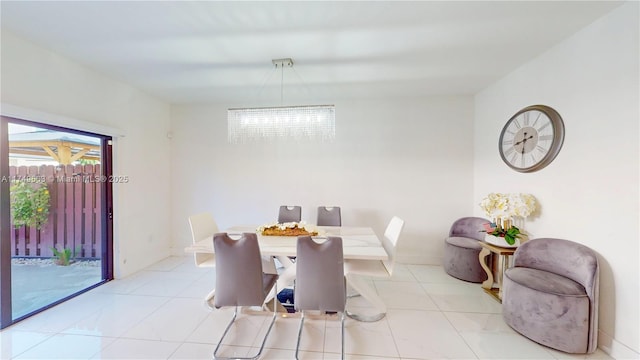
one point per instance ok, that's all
(532, 138)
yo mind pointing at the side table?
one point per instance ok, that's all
(504, 255)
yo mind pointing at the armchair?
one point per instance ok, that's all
(461, 250)
(550, 294)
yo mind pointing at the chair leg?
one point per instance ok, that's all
(210, 295)
(351, 292)
(273, 320)
(359, 285)
(342, 333)
(264, 340)
(299, 333)
(208, 300)
(233, 319)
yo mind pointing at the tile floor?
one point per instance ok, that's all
(158, 313)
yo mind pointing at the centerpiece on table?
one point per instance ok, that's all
(288, 229)
(503, 209)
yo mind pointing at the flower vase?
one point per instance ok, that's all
(500, 241)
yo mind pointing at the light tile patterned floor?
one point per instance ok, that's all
(158, 313)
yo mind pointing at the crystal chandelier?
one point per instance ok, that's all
(305, 123)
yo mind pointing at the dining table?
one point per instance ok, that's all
(358, 243)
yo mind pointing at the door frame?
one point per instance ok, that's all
(106, 160)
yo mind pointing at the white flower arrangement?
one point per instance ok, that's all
(287, 225)
(497, 205)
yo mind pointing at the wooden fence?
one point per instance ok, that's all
(74, 215)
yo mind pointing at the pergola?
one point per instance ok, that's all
(63, 147)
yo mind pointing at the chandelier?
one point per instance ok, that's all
(302, 123)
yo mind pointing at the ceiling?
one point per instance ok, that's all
(206, 51)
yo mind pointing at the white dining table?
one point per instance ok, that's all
(358, 243)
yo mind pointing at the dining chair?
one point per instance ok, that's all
(289, 214)
(320, 282)
(285, 215)
(203, 226)
(356, 269)
(240, 280)
(329, 216)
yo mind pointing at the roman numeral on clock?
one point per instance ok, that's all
(536, 120)
(544, 126)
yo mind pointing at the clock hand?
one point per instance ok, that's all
(524, 139)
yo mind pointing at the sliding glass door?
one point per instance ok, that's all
(56, 216)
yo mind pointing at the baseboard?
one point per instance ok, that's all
(614, 348)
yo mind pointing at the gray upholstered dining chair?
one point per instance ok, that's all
(240, 280)
(550, 295)
(357, 270)
(289, 214)
(462, 249)
(329, 216)
(320, 282)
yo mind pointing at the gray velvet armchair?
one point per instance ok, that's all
(550, 295)
(462, 248)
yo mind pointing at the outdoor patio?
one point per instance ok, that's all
(39, 282)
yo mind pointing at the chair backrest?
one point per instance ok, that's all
(469, 227)
(569, 259)
(203, 226)
(238, 271)
(390, 242)
(289, 214)
(320, 283)
(563, 257)
(329, 216)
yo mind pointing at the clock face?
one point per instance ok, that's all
(532, 138)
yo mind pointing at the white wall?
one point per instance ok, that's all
(410, 158)
(36, 79)
(589, 194)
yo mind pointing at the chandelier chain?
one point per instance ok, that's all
(281, 85)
